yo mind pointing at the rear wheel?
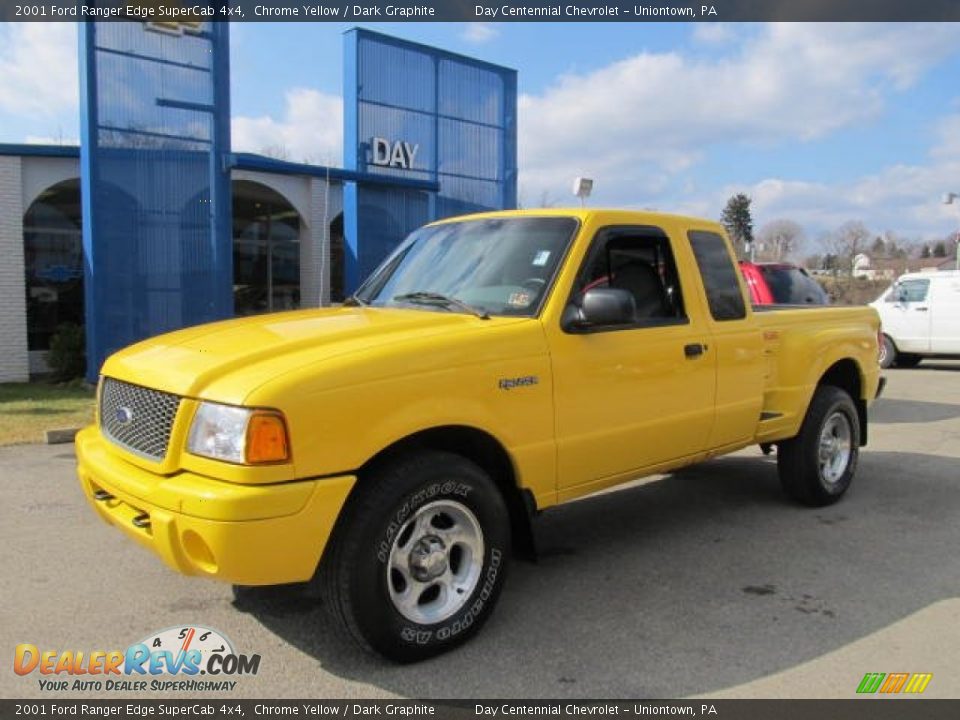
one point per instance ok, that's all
(817, 466)
(888, 353)
(418, 561)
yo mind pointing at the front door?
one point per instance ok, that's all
(634, 396)
(906, 315)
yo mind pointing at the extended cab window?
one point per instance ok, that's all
(719, 275)
(640, 261)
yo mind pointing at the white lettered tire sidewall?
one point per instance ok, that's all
(403, 489)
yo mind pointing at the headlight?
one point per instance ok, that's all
(238, 435)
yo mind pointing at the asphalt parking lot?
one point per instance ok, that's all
(703, 582)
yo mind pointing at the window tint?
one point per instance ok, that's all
(719, 275)
(53, 255)
(792, 286)
(911, 290)
(640, 261)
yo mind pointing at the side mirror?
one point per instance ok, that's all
(600, 307)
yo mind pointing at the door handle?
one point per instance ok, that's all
(921, 309)
(693, 350)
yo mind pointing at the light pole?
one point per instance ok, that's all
(582, 187)
(950, 198)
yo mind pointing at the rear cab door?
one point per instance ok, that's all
(736, 343)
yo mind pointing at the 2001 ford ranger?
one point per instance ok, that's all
(394, 449)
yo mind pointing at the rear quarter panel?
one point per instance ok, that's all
(801, 345)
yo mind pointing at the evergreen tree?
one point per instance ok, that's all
(737, 220)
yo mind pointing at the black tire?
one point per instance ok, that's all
(378, 531)
(888, 353)
(802, 473)
(908, 360)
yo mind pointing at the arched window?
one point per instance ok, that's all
(266, 250)
(53, 255)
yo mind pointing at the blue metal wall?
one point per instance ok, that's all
(460, 112)
(155, 126)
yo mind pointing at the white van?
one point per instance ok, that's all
(920, 317)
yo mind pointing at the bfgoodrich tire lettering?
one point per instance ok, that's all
(418, 560)
(817, 466)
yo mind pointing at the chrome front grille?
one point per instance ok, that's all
(137, 418)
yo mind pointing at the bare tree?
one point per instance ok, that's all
(846, 242)
(779, 239)
(277, 152)
(546, 200)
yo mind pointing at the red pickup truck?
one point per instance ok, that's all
(777, 283)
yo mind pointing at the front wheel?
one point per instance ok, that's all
(418, 561)
(817, 466)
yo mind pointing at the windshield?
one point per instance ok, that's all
(500, 266)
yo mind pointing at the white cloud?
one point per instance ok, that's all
(654, 115)
(310, 129)
(38, 68)
(478, 33)
(903, 198)
(51, 140)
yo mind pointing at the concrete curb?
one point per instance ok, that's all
(60, 437)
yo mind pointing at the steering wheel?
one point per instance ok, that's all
(533, 283)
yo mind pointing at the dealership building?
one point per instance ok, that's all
(153, 223)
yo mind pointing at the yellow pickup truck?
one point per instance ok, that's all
(394, 450)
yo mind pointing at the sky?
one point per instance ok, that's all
(818, 123)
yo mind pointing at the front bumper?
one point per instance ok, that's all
(243, 534)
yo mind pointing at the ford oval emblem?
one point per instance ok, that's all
(124, 416)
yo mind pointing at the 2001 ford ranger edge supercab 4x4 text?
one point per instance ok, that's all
(393, 450)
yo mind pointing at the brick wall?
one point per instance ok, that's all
(14, 360)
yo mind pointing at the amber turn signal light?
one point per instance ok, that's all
(267, 438)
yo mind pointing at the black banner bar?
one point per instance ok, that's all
(857, 709)
(188, 11)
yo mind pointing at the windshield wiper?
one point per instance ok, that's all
(433, 298)
(353, 301)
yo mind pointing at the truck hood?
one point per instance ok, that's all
(251, 350)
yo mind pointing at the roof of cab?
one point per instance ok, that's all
(584, 214)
